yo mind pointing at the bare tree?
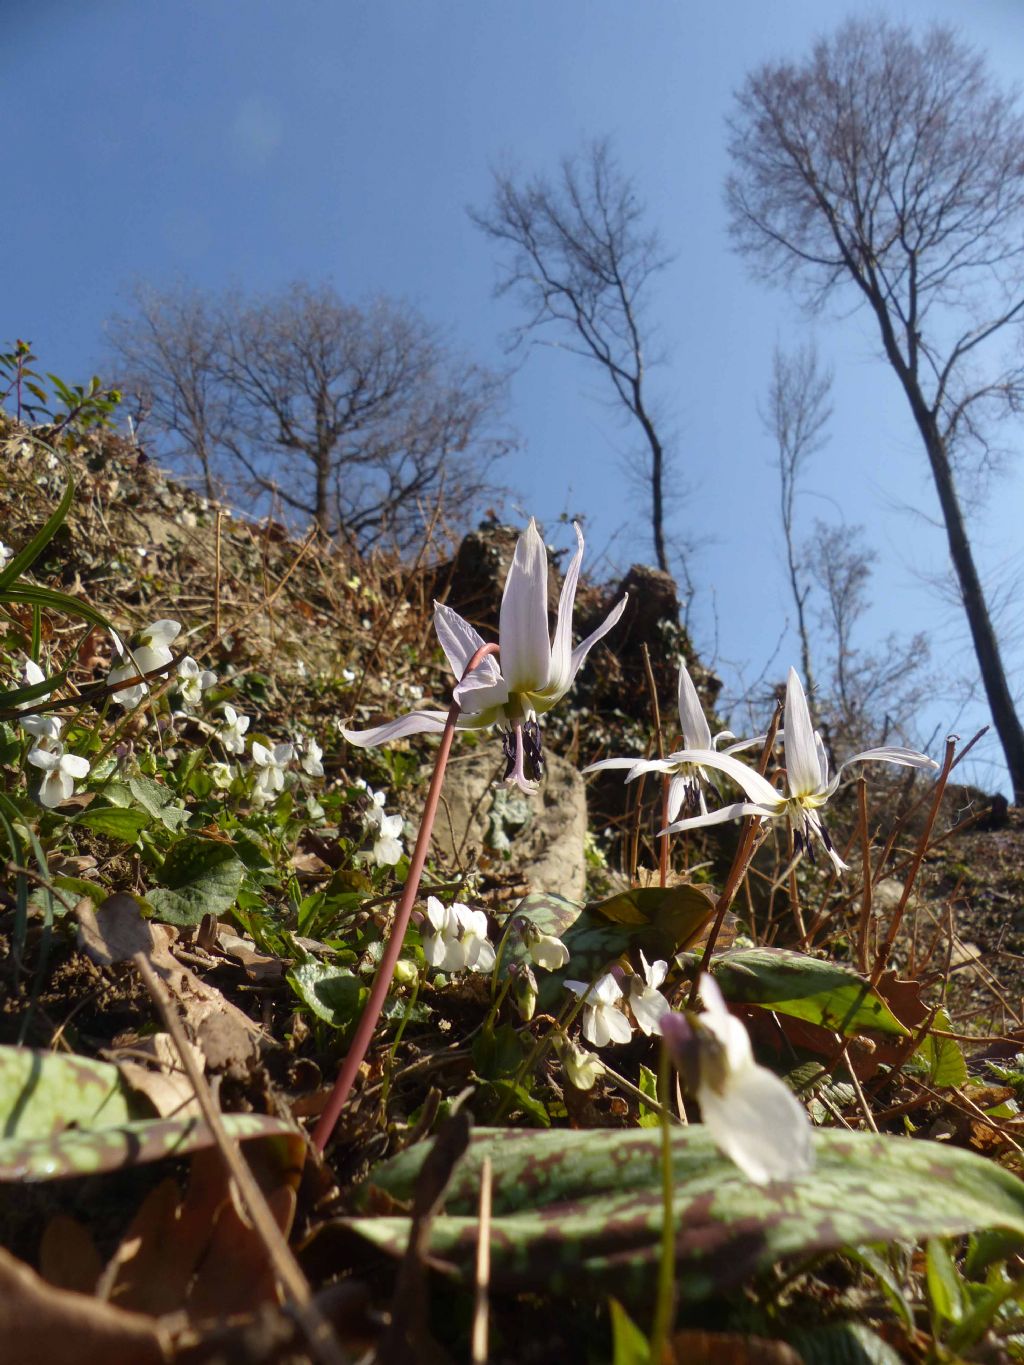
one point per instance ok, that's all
(797, 412)
(868, 695)
(580, 258)
(353, 418)
(894, 165)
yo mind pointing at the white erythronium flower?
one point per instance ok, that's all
(149, 652)
(808, 785)
(753, 1116)
(231, 733)
(193, 681)
(685, 791)
(387, 848)
(646, 1001)
(442, 946)
(534, 672)
(271, 763)
(311, 758)
(478, 950)
(603, 1022)
(60, 770)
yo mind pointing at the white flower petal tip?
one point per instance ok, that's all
(752, 1116)
(603, 1022)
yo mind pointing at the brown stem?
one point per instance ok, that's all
(382, 981)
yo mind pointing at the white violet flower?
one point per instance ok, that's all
(387, 848)
(442, 946)
(646, 1001)
(603, 1022)
(544, 949)
(534, 672)
(475, 944)
(193, 681)
(751, 1114)
(311, 758)
(150, 652)
(59, 769)
(6, 554)
(231, 733)
(271, 763)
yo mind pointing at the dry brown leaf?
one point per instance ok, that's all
(730, 1348)
(68, 1258)
(115, 932)
(59, 1327)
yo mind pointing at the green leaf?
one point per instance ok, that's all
(159, 801)
(42, 1093)
(945, 1292)
(943, 1058)
(629, 1345)
(334, 994)
(582, 1211)
(117, 822)
(843, 1343)
(808, 988)
(649, 1085)
(27, 556)
(200, 877)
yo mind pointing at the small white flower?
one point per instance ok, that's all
(348, 675)
(581, 1067)
(6, 554)
(271, 763)
(646, 1001)
(544, 949)
(311, 758)
(478, 950)
(151, 652)
(231, 733)
(30, 674)
(43, 727)
(222, 775)
(60, 770)
(753, 1116)
(442, 946)
(193, 681)
(603, 1023)
(387, 848)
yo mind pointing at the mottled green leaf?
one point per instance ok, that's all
(116, 822)
(200, 877)
(575, 1210)
(42, 1093)
(941, 1059)
(334, 994)
(805, 987)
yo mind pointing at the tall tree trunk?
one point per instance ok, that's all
(986, 646)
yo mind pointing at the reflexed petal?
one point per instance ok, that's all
(654, 972)
(523, 622)
(907, 758)
(475, 698)
(612, 763)
(677, 790)
(719, 817)
(758, 788)
(695, 728)
(415, 723)
(460, 642)
(803, 767)
(160, 634)
(759, 1124)
(584, 647)
(559, 677)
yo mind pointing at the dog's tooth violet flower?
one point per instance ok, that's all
(753, 1116)
(687, 779)
(808, 785)
(534, 672)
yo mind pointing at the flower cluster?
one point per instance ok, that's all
(59, 769)
(455, 938)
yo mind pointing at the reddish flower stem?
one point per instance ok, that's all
(360, 1044)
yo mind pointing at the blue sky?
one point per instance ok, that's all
(254, 142)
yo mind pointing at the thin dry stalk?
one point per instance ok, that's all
(864, 925)
(659, 739)
(483, 1268)
(318, 1331)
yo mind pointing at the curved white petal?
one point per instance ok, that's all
(759, 1124)
(694, 725)
(474, 698)
(906, 758)
(585, 646)
(718, 817)
(677, 790)
(559, 676)
(758, 788)
(74, 765)
(616, 1025)
(603, 763)
(803, 768)
(160, 634)
(523, 622)
(44, 758)
(415, 723)
(460, 642)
